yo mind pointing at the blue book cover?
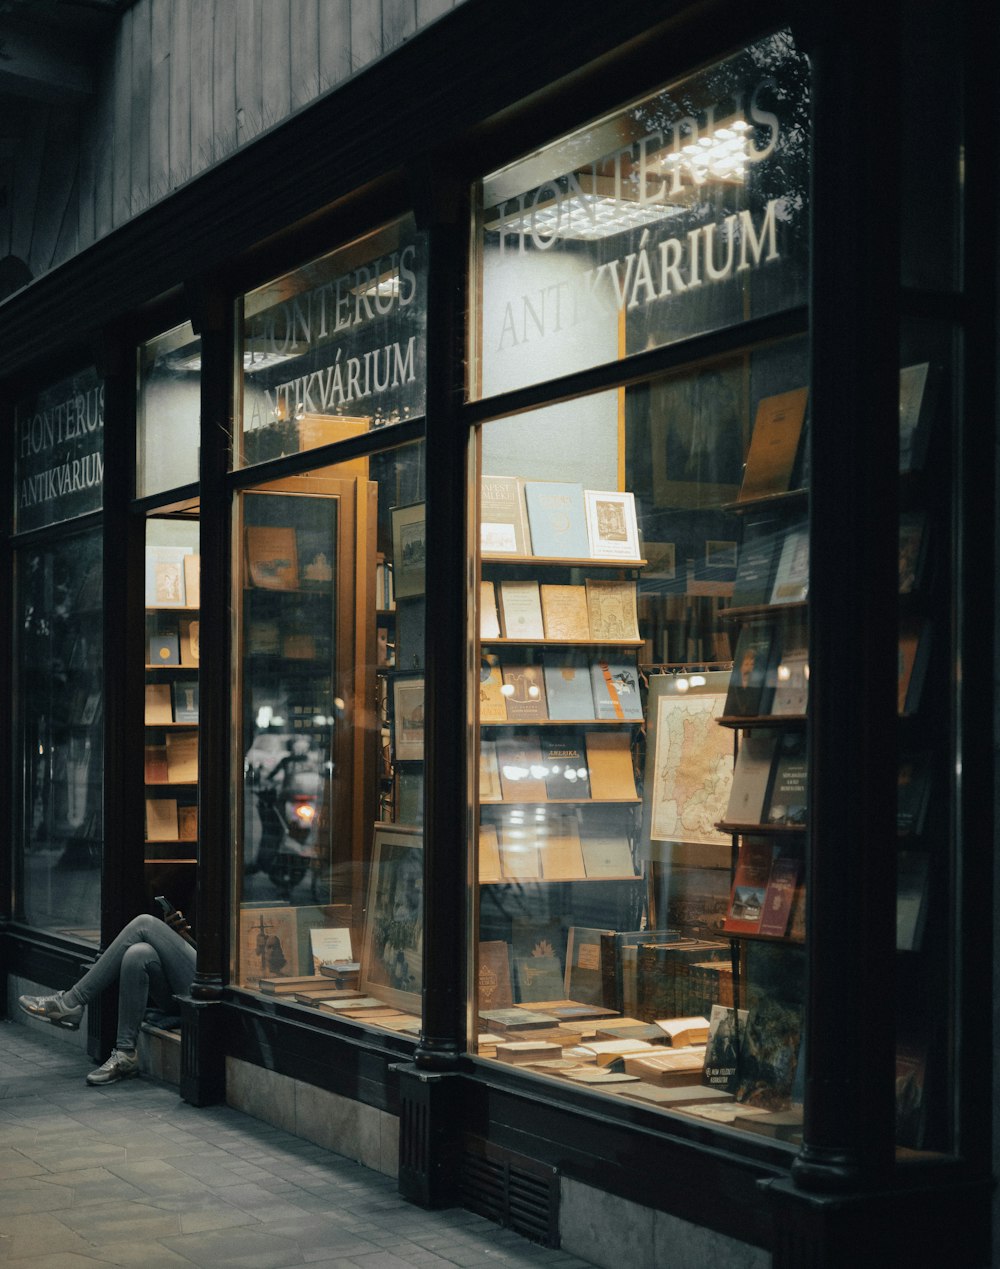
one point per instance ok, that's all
(616, 689)
(557, 520)
(567, 686)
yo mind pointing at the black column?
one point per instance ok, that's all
(849, 1060)
(203, 1055)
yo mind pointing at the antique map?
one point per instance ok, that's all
(692, 769)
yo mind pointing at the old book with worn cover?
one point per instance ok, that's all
(494, 982)
(780, 895)
(503, 521)
(564, 612)
(774, 444)
(524, 690)
(537, 977)
(755, 567)
(788, 796)
(746, 899)
(159, 707)
(489, 854)
(557, 519)
(567, 686)
(615, 687)
(609, 760)
(519, 853)
(520, 610)
(607, 856)
(561, 852)
(489, 619)
(566, 776)
(161, 820)
(492, 704)
(489, 772)
(611, 609)
(751, 777)
(182, 758)
(521, 775)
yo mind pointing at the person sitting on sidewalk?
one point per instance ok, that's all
(149, 958)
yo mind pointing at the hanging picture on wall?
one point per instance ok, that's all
(409, 549)
(392, 945)
(408, 715)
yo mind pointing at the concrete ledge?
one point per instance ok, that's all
(348, 1127)
(160, 1053)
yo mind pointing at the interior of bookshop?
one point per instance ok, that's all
(637, 862)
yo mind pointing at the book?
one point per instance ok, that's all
(914, 654)
(567, 686)
(161, 820)
(791, 682)
(565, 764)
(328, 945)
(788, 796)
(618, 966)
(182, 758)
(304, 984)
(918, 389)
(564, 612)
(489, 772)
(722, 1048)
(749, 889)
(523, 691)
(521, 610)
(664, 986)
(537, 977)
(612, 611)
(503, 520)
(756, 562)
(190, 640)
(512, 1020)
(314, 548)
(609, 762)
(769, 1053)
(774, 444)
(684, 1032)
(751, 777)
(608, 1051)
(615, 689)
(682, 1098)
(912, 794)
(492, 703)
(164, 648)
(783, 1125)
(556, 519)
(185, 700)
(607, 856)
(520, 1052)
(519, 853)
(489, 619)
(187, 823)
(155, 761)
(165, 576)
(791, 577)
(272, 557)
(561, 851)
(522, 775)
(192, 580)
(583, 981)
(612, 531)
(751, 683)
(780, 895)
(912, 551)
(912, 875)
(489, 854)
(159, 708)
(494, 988)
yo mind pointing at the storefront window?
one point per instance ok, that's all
(682, 214)
(330, 632)
(169, 411)
(335, 348)
(644, 572)
(59, 452)
(60, 731)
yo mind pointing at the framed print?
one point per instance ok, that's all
(409, 549)
(408, 712)
(268, 944)
(165, 572)
(393, 939)
(611, 525)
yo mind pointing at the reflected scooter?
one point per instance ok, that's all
(288, 811)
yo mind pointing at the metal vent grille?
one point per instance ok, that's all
(512, 1190)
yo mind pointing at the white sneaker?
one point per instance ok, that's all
(52, 1009)
(119, 1066)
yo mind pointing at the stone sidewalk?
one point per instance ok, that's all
(131, 1175)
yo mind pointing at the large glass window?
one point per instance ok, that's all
(329, 690)
(169, 411)
(335, 348)
(60, 734)
(639, 919)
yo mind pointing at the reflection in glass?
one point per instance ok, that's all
(684, 213)
(337, 347)
(59, 667)
(331, 740)
(168, 411)
(643, 691)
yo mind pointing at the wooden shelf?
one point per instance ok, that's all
(564, 722)
(173, 608)
(149, 862)
(761, 830)
(172, 726)
(173, 666)
(171, 784)
(557, 561)
(562, 643)
(553, 881)
(636, 801)
(753, 722)
(765, 938)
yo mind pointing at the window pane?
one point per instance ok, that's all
(642, 787)
(336, 347)
(59, 672)
(681, 214)
(59, 463)
(169, 411)
(330, 682)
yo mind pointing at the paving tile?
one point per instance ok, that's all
(235, 1249)
(38, 1234)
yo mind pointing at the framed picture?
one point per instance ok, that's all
(409, 549)
(611, 525)
(408, 713)
(165, 571)
(392, 943)
(268, 944)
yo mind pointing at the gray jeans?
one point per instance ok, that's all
(149, 959)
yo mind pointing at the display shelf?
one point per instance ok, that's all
(561, 643)
(755, 722)
(562, 722)
(555, 881)
(762, 610)
(173, 666)
(185, 860)
(636, 801)
(560, 562)
(171, 784)
(761, 830)
(169, 726)
(784, 940)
